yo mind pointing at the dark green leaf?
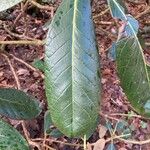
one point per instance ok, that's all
(18, 105)
(131, 66)
(10, 138)
(47, 122)
(5, 4)
(133, 73)
(72, 66)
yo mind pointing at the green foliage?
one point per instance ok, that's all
(72, 65)
(10, 138)
(131, 65)
(18, 105)
(5, 4)
(47, 126)
(47, 122)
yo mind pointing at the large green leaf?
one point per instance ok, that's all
(10, 138)
(5, 4)
(18, 105)
(132, 68)
(72, 69)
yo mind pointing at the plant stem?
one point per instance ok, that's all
(23, 42)
(84, 140)
(12, 69)
(39, 5)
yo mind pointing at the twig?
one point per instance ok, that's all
(134, 142)
(17, 35)
(109, 117)
(12, 69)
(117, 136)
(59, 142)
(143, 13)
(109, 34)
(126, 115)
(27, 65)
(84, 142)
(22, 12)
(103, 22)
(101, 14)
(49, 148)
(23, 42)
(147, 44)
(136, 2)
(27, 137)
(39, 5)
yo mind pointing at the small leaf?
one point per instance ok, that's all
(100, 144)
(47, 122)
(10, 138)
(39, 64)
(5, 4)
(55, 133)
(111, 147)
(18, 105)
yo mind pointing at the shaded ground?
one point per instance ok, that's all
(113, 99)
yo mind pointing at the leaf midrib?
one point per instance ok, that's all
(2, 99)
(72, 48)
(137, 42)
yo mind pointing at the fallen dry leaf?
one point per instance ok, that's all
(100, 144)
(102, 131)
(89, 146)
(122, 148)
(22, 71)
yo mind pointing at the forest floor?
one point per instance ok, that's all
(116, 113)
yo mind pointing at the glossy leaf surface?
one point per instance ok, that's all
(10, 138)
(18, 105)
(72, 69)
(5, 4)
